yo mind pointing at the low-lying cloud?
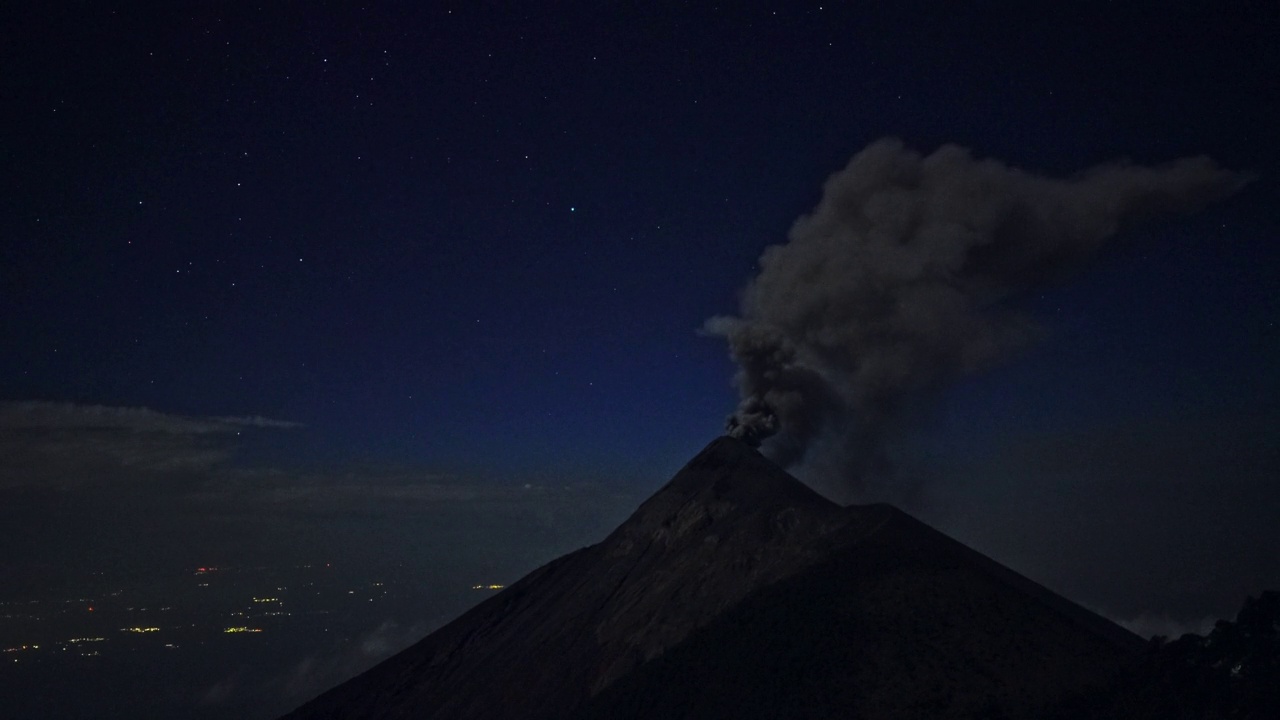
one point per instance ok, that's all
(65, 444)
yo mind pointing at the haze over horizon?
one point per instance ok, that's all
(421, 293)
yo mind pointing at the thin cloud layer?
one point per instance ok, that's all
(37, 415)
(64, 444)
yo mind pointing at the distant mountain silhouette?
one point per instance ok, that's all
(737, 592)
(1233, 672)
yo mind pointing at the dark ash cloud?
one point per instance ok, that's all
(900, 281)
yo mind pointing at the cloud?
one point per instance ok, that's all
(170, 475)
(220, 692)
(902, 280)
(64, 444)
(36, 415)
(423, 489)
(314, 673)
(1151, 625)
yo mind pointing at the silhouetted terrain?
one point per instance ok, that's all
(737, 592)
(1233, 672)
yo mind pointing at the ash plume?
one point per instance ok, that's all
(899, 282)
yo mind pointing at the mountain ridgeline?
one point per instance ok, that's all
(737, 592)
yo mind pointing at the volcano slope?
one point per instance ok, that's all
(737, 592)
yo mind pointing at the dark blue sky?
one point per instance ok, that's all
(481, 240)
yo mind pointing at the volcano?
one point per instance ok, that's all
(735, 591)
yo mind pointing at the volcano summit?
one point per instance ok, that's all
(735, 591)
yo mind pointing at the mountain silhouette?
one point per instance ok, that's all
(735, 591)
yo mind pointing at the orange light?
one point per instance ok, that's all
(90, 608)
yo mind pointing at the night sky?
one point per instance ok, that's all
(421, 285)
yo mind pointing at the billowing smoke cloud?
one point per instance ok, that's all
(899, 282)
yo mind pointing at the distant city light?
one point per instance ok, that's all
(487, 587)
(82, 643)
